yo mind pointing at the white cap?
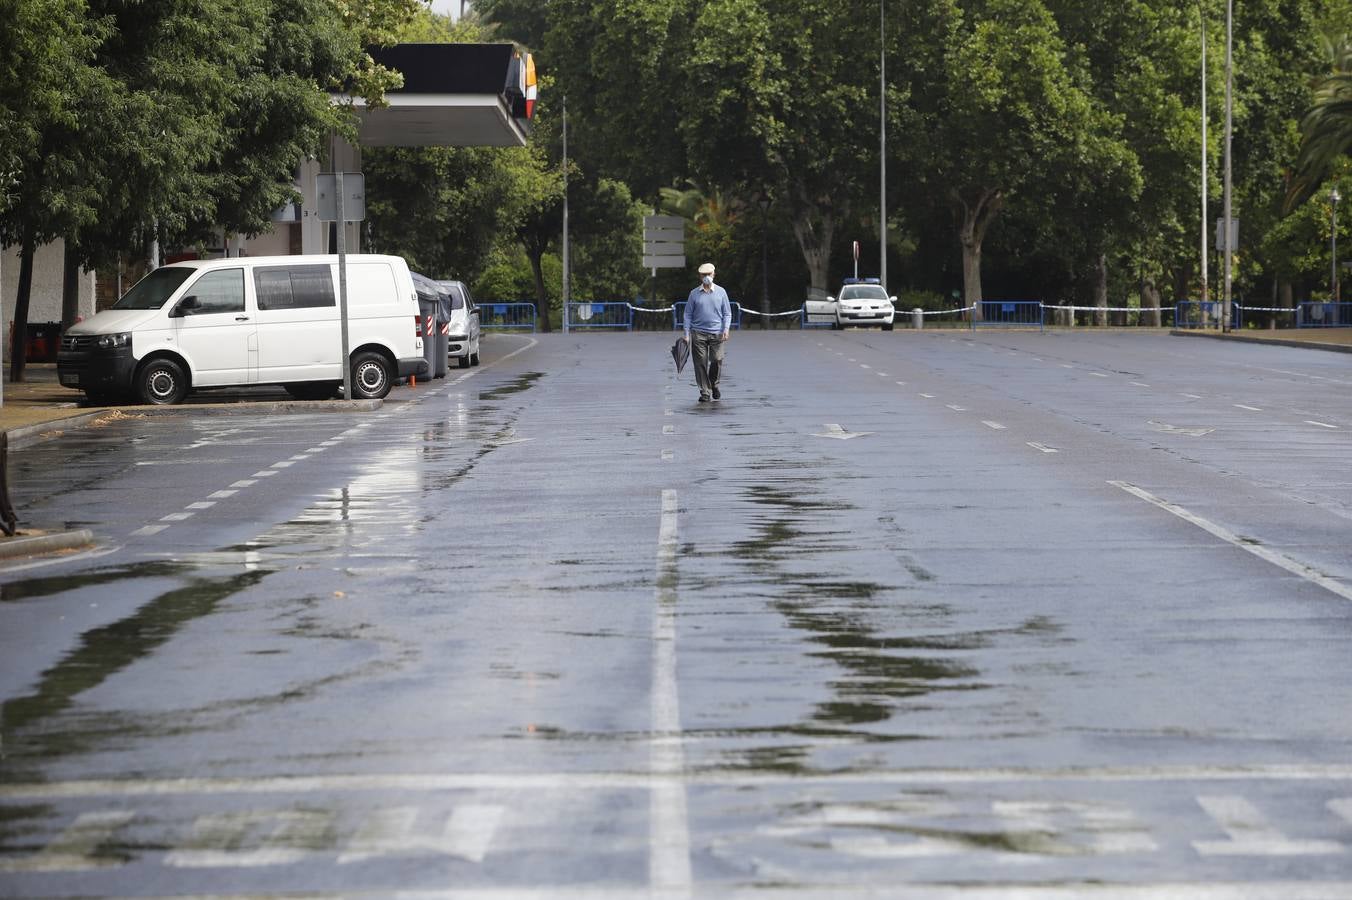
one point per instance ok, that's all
(706, 269)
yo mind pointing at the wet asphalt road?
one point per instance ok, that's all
(908, 615)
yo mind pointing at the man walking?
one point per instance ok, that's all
(708, 321)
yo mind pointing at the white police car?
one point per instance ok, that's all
(863, 301)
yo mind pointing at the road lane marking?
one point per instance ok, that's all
(1251, 834)
(989, 424)
(928, 396)
(468, 832)
(75, 848)
(902, 383)
(1249, 408)
(1138, 384)
(244, 482)
(1043, 447)
(148, 530)
(1320, 424)
(201, 504)
(1281, 560)
(865, 366)
(668, 429)
(1192, 396)
(668, 455)
(838, 432)
(1098, 375)
(955, 407)
(265, 473)
(669, 868)
(177, 517)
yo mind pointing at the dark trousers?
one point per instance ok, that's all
(707, 351)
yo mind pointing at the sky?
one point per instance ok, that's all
(447, 7)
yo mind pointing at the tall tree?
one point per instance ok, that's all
(1326, 128)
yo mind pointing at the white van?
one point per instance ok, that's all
(247, 321)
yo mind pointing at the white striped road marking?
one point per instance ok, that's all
(288, 833)
(1138, 384)
(301, 456)
(177, 517)
(668, 429)
(1251, 834)
(838, 432)
(74, 849)
(902, 383)
(1191, 396)
(1098, 375)
(283, 464)
(669, 867)
(244, 482)
(1113, 829)
(201, 504)
(1293, 566)
(265, 473)
(989, 424)
(1043, 447)
(1249, 408)
(1067, 366)
(391, 832)
(955, 407)
(928, 396)
(668, 456)
(668, 412)
(865, 366)
(1320, 424)
(434, 782)
(883, 375)
(148, 530)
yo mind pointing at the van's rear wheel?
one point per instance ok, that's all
(161, 382)
(312, 390)
(371, 376)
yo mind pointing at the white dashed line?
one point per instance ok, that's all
(1139, 384)
(201, 504)
(668, 455)
(865, 366)
(1192, 396)
(1043, 447)
(669, 868)
(669, 429)
(902, 383)
(221, 495)
(1098, 374)
(1320, 424)
(286, 463)
(928, 396)
(244, 482)
(996, 425)
(148, 530)
(955, 407)
(1249, 408)
(177, 517)
(265, 473)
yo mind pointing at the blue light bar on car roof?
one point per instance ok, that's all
(863, 281)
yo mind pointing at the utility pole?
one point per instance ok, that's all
(1229, 135)
(567, 266)
(1205, 218)
(882, 142)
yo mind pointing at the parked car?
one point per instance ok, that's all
(464, 343)
(246, 321)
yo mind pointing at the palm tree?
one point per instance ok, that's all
(1326, 129)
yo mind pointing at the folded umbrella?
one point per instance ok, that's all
(680, 352)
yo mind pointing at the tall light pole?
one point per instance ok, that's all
(1229, 184)
(763, 201)
(1205, 290)
(1334, 287)
(882, 142)
(567, 268)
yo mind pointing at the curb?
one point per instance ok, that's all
(11, 548)
(53, 428)
(1246, 339)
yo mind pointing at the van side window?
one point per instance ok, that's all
(221, 291)
(293, 287)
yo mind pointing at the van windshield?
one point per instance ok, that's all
(151, 292)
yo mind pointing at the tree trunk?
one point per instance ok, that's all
(1286, 298)
(18, 353)
(814, 227)
(1101, 289)
(70, 286)
(1150, 302)
(541, 297)
(974, 218)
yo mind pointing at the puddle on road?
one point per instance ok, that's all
(521, 383)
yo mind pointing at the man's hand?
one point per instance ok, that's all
(725, 335)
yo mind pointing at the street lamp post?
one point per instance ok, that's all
(1334, 287)
(1229, 136)
(763, 201)
(882, 142)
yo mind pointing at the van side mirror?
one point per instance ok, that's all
(830, 299)
(185, 307)
(474, 311)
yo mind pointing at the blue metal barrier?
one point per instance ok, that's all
(600, 315)
(1009, 314)
(505, 316)
(1193, 314)
(1323, 315)
(678, 315)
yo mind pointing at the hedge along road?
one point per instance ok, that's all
(994, 615)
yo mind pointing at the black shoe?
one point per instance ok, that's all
(717, 395)
(703, 399)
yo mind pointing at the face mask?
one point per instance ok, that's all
(708, 280)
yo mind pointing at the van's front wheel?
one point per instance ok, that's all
(161, 382)
(371, 376)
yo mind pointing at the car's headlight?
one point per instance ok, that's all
(112, 341)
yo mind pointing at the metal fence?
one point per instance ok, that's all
(1323, 315)
(1194, 314)
(507, 316)
(600, 315)
(1009, 314)
(678, 315)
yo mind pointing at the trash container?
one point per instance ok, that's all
(443, 337)
(427, 309)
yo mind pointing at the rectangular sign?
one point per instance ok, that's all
(354, 199)
(664, 262)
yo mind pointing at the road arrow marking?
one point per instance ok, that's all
(839, 433)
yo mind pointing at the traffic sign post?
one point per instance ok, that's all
(856, 259)
(342, 200)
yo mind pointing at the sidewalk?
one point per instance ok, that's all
(1337, 339)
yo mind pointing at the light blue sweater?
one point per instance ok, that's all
(708, 311)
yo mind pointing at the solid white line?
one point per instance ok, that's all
(1249, 408)
(1277, 559)
(669, 867)
(996, 425)
(567, 781)
(1320, 424)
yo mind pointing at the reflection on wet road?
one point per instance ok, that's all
(551, 628)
